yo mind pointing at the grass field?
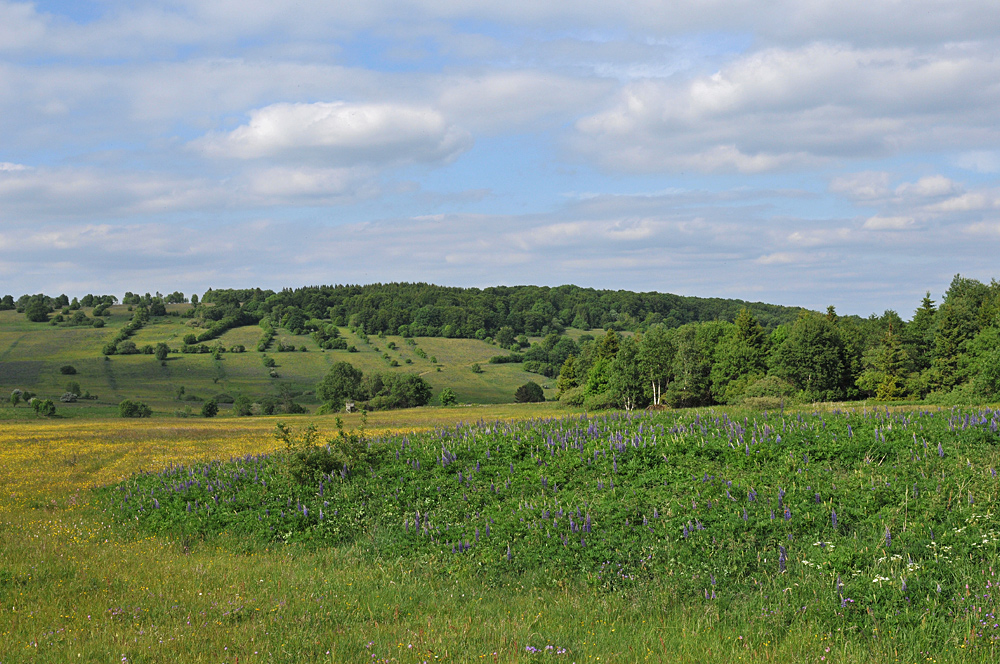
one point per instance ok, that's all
(78, 582)
(31, 355)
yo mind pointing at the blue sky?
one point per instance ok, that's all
(801, 152)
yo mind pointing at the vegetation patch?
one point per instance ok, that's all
(860, 524)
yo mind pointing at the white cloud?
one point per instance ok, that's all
(865, 186)
(778, 108)
(342, 133)
(968, 202)
(931, 186)
(878, 223)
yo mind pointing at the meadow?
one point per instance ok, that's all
(32, 354)
(520, 533)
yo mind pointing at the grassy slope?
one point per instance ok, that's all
(31, 354)
(72, 587)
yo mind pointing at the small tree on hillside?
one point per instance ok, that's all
(210, 408)
(448, 397)
(530, 392)
(129, 408)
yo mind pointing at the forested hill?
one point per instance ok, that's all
(429, 310)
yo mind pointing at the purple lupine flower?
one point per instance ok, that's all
(940, 451)
(509, 556)
(782, 559)
(833, 518)
(788, 514)
(744, 514)
(888, 537)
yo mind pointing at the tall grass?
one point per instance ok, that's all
(105, 580)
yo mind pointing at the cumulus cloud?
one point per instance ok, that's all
(342, 133)
(931, 186)
(782, 107)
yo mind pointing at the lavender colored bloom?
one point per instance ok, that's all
(833, 518)
(888, 537)
(782, 559)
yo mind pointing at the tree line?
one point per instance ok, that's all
(947, 353)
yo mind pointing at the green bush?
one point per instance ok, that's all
(602, 401)
(574, 396)
(530, 392)
(448, 397)
(210, 408)
(67, 369)
(129, 408)
(44, 407)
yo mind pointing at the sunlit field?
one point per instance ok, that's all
(694, 536)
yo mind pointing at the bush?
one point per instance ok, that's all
(574, 396)
(210, 408)
(243, 406)
(530, 392)
(44, 407)
(602, 401)
(67, 370)
(223, 398)
(448, 397)
(476, 369)
(129, 408)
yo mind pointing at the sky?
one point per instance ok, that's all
(798, 152)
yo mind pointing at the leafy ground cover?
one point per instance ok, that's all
(853, 536)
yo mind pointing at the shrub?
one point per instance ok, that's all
(44, 407)
(448, 397)
(223, 398)
(602, 401)
(243, 406)
(67, 369)
(210, 408)
(129, 408)
(574, 396)
(476, 368)
(530, 392)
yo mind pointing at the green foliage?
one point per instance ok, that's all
(44, 407)
(242, 406)
(129, 408)
(812, 358)
(877, 522)
(476, 369)
(161, 352)
(448, 397)
(210, 408)
(36, 310)
(67, 370)
(309, 463)
(530, 392)
(341, 383)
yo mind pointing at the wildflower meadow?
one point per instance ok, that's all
(714, 535)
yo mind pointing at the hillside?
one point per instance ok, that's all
(32, 354)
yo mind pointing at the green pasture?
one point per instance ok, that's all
(31, 355)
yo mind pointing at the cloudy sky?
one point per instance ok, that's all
(801, 152)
